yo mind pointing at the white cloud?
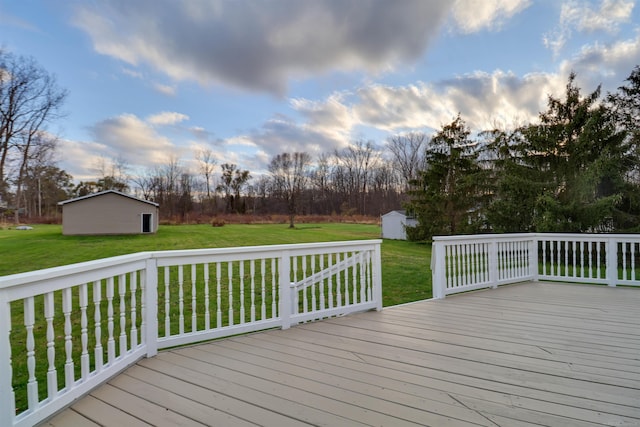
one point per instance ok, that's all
(581, 16)
(606, 64)
(607, 18)
(166, 118)
(131, 73)
(471, 16)
(135, 140)
(260, 45)
(80, 157)
(169, 90)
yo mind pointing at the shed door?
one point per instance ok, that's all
(146, 223)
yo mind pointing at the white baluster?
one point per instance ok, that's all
(339, 302)
(368, 269)
(464, 263)
(354, 277)
(180, 300)
(346, 294)
(363, 278)
(167, 302)
(263, 305)
(314, 301)
(68, 343)
(296, 294)
(598, 251)
(194, 295)
(207, 315)
(582, 245)
(111, 344)
(322, 284)
(633, 261)
(143, 304)
(252, 309)
(230, 289)
(9, 372)
(97, 319)
(133, 284)
(274, 294)
(52, 374)
(329, 279)
(304, 289)
(84, 337)
(241, 272)
(218, 298)
(590, 259)
(32, 383)
(624, 259)
(122, 290)
(543, 243)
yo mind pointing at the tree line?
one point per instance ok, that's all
(575, 169)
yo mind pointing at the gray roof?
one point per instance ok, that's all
(88, 196)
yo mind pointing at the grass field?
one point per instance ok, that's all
(405, 265)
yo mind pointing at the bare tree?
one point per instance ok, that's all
(289, 172)
(114, 174)
(35, 148)
(207, 164)
(408, 154)
(233, 181)
(357, 161)
(29, 99)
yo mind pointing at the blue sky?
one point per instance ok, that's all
(155, 80)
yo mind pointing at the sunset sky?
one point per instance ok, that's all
(151, 80)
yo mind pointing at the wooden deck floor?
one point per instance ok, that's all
(529, 354)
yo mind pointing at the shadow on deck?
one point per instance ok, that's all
(535, 353)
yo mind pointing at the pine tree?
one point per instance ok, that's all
(579, 156)
(447, 196)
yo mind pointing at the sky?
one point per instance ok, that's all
(151, 81)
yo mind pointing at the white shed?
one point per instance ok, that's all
(394, 224)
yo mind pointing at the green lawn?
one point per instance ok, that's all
(406, 275)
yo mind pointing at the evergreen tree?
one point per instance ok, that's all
(516, 185)
(447, 196)
(625, 108)
(580, 159)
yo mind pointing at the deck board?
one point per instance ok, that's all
(530, 354)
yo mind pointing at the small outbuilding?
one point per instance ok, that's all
(394, 225)
(109, 212)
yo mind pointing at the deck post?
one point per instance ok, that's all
(151, 307)
(285, 289)
(438, 269)
(377, 277)
(612, 261)
(533, 258)
(7, 396)
(493, 263)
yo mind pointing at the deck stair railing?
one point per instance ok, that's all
(465, 263)
(78, 325)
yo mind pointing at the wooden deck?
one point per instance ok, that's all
(528, 354)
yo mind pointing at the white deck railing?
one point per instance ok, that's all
(464, 263)
(81, 324)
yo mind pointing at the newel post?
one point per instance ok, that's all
(285, 289)
(533, 258)
(438, 267)
(7, 396)
(493, 263)
(150, 315)
(612, 261)
(377, 277)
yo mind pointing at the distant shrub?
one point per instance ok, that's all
(217, 222)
